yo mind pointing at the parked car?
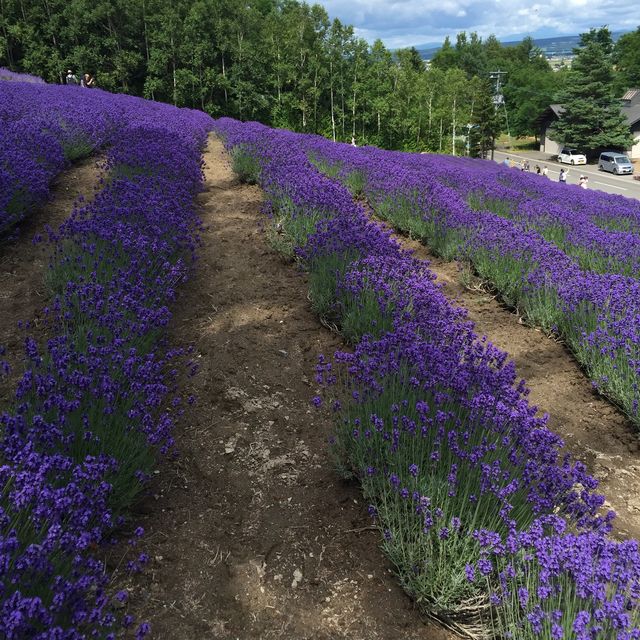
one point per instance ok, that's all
(614, 162)
(571, 156)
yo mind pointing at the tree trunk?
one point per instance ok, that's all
(353, 108)
(303, 99)
(201, 88)
(333, 115)
(175, 79)
(6, 38)
(114, 34)
(53, 35)
(342, 113)
(224, 75)
(144, 27)
(453, 128)
(240, 105)
(278, 76)
(315, 98)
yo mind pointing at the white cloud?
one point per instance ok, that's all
(402, 23)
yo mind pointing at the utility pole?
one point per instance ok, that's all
(498, 99)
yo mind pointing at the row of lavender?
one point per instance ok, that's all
(94, 407)
(7, 74)
(41, 131)
(489, 524)
(451, 205)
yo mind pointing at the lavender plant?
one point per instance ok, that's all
(95, 405)
(431, 418)
(565, 258)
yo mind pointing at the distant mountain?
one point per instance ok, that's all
(556, 46)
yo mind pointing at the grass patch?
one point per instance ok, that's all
(245, 164)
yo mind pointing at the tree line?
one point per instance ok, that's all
(284, 63)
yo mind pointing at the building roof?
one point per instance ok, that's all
(632, 114)
(552, 112)
(557, 109)
(631, 94)
(630, 109)
(631, 106)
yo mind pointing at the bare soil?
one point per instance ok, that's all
(250, 531)
(23, 262)
(593, 429)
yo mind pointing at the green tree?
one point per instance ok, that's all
(485, 123)
(626, 56)
(377, 88)
(446, 57)
(591, 119)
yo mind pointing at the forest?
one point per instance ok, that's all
(288, 64)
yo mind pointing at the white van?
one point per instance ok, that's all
(614, 162)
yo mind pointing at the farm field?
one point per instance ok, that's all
(254, 497)
(184, 444)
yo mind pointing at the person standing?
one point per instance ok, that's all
(563, 176)
(71, 78)
(88, 81)
(545, 171)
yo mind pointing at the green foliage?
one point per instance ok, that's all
(76, 148)
(324, 273)
(626, 56)
(245, 164)
(486, 123)
(356, 182)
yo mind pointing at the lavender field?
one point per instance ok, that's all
(491, 526)
(94, 402)
(565, 259)
(489, 523)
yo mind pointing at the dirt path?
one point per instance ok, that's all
(250, 532)
(594, 430)
(23, 263)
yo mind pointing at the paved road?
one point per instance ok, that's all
(622, 185)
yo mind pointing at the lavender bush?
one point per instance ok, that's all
(94, 407)
(565, 258)
(7, 74)
(431, 418)
(42, 129)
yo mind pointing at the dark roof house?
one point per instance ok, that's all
(629, 107)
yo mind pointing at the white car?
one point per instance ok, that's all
(571, 156)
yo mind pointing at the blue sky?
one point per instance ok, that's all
(402, 23)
